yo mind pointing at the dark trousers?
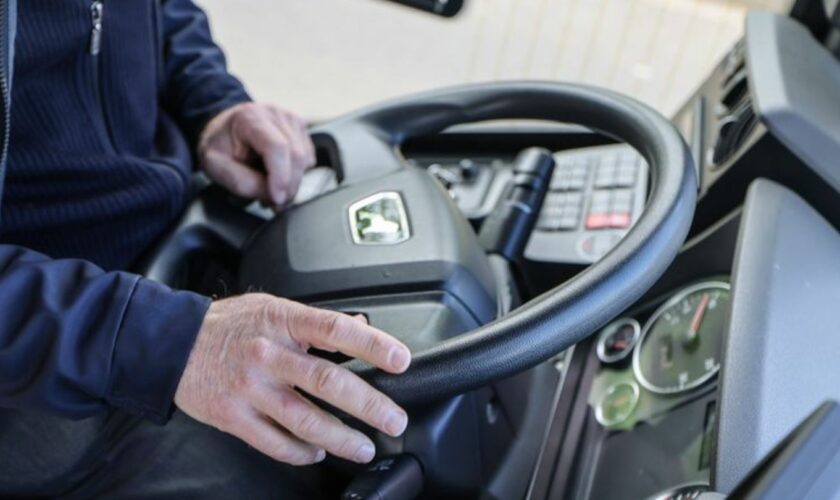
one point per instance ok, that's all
(120, 456)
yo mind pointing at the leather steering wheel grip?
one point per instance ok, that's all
(367, 142)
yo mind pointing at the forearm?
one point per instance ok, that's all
(75, 340)
(198, 85)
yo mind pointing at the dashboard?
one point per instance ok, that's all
(653, 396)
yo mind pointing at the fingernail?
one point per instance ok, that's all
(320, 456)
(396, 422)
(280, 198)
(399, 358)
(365, 453)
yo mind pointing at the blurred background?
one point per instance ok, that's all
(326, 57)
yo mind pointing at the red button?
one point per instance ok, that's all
(620, 220)
(597, 221)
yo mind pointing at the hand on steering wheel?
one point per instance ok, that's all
(257, 133)
(251, 354)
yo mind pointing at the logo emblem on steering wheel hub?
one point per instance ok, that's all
(380, 219)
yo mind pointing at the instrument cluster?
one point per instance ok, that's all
(648, 368)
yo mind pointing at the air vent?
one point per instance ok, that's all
(735, 89)
(735, 108)
(734, 61)
(734, 85)
(734, 130)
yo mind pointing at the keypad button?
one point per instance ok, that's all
(597, 221)
(601, 196)
(565, 164)
(596, 245)
(599, 208)
(574, 199)
(552, 212)
(568, 223)
(551, 223)
(580, 171)
(606, 169)
(555, 199)
(619, 206)
(621, 201)
(619, 220)
(605, 180)
(558, 180)
(622, 195)
(577, 183)
(627, 167)
(624, 179)
(629, 161)
(608, 160)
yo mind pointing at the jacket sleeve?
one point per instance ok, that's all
(75, 340)
(197, 85)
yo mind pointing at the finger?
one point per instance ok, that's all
(313, 425)
(299, 147)
(298, 132)
(362, 318)
(238, 178)
(307, 142)
(343, 389)
(268, 439)
(333, 331)
(264, 137)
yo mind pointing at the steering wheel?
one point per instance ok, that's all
(314, 243)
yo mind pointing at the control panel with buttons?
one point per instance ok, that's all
(595, 196)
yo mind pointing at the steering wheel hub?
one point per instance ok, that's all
(380, 239)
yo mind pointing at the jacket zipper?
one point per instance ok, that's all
(96, 22)
(5, 89)
(96, 10)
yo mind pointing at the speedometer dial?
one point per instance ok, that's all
(681, 343)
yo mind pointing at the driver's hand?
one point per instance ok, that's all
(251, 355)
(251, 134)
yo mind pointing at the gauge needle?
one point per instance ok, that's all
(698, 316)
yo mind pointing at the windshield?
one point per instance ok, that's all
(321, 58)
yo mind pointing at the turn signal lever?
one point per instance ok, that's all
(392, 478)
(506, 230)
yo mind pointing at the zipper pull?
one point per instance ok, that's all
(96, 8)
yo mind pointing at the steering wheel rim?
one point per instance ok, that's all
(366, 144)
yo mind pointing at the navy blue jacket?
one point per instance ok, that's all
(97, 151)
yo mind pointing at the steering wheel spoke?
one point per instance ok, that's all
(359, 151)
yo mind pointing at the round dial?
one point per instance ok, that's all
(681, 343)
(617, 340)
(617, 404)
